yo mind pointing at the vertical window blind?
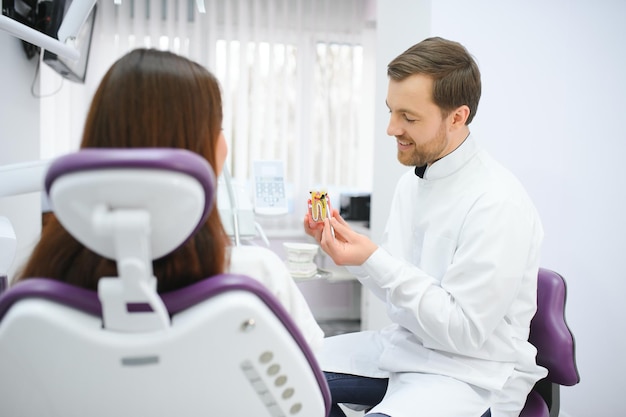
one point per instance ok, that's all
(296, 78)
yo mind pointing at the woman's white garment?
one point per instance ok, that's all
(265, 266)
(458, 272)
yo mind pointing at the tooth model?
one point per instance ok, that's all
(319, 205)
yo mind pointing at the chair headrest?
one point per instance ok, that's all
(133, 206)
(168, 183)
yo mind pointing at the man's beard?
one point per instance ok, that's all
(424, 153)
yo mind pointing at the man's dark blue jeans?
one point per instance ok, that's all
(354, 389)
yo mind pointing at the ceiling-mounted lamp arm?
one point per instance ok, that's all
(37, 38)
(74, 19)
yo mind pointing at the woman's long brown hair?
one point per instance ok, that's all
(148, 98)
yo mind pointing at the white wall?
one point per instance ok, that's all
(552, 107)
(19, 139)
(400, 23)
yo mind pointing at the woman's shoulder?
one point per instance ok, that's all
(254, 253)
(254, 261)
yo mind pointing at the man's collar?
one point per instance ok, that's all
(449, 163)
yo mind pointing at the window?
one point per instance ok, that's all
(312, 124)
(293, 75)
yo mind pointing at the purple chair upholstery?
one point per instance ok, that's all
(555, 345)
(554, 341)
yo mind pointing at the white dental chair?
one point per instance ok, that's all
(221, 347)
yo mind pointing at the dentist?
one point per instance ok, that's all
(457, 267)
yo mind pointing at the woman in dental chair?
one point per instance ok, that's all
(152, 98)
